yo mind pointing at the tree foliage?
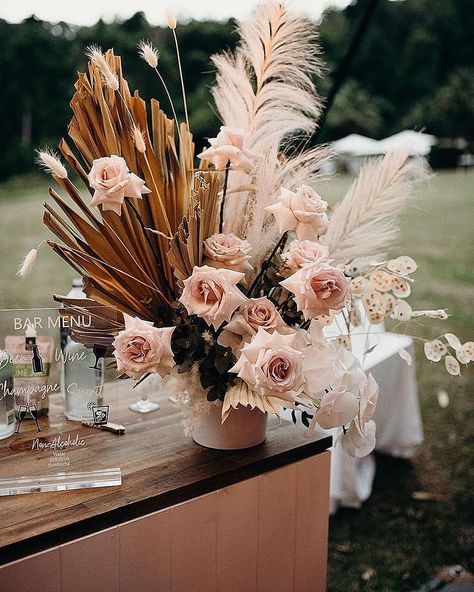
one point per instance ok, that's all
(414, 69)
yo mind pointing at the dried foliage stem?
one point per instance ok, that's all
(279, 246)
(178, 56)
(165, 86)
(224, 193)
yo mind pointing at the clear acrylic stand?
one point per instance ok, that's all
(60, 405)
(61, 482)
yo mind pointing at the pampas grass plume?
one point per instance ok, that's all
(138, 139)
(149, 53)
(171, 19)
(27, 264)
(94, 53)
(49, 161)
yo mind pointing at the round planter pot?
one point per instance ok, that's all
(244, 428)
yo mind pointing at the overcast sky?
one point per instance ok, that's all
(86, 12)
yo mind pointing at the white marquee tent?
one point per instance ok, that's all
(356, 145)
(353, 149)
(420, 144)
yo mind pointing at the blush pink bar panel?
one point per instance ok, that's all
(265, 534)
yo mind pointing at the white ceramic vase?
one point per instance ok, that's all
(244, 428)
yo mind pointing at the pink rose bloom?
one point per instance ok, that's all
(303, 211)
(337, 408)
(113, 182)
(271, 365)
(318, 289)
(142, 348)
(227, 251)
(254, 314)
(229, 146)
(212, 294)
(301, 253)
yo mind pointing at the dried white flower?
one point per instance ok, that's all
(403, 265)
(468, 349)
(148, 53)
(381, 280)
(50, 162)
(431, 314)
(452, 366)
(435, 350)
(94, 53)
(171, 19)
(400, 287)
(453, 341)
(27, 263)
(402, 311)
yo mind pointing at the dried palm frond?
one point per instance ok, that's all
(365, 223)
(91, 323)
(186, 247)
(123, 259)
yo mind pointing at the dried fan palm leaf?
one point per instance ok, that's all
(201, 222)
(123, 262)
(91, 323)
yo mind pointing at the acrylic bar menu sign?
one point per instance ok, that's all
(57, 404)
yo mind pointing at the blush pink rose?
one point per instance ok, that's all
(318, 289)
(271, 365)
(303, 252)
(303, 211)
(254, 314)
(227, 251)
(142, 348)
(212, 294)
(229, 146)
(113, 182)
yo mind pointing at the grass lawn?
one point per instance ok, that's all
(394, 543)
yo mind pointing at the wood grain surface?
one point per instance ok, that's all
(160, 467)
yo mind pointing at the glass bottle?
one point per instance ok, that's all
(83, 381)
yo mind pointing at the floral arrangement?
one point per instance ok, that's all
(227, 274)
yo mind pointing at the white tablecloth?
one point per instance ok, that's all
(397, 416)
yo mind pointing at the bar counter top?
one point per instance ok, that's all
(161, 467)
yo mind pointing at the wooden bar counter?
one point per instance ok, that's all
(185, 519)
